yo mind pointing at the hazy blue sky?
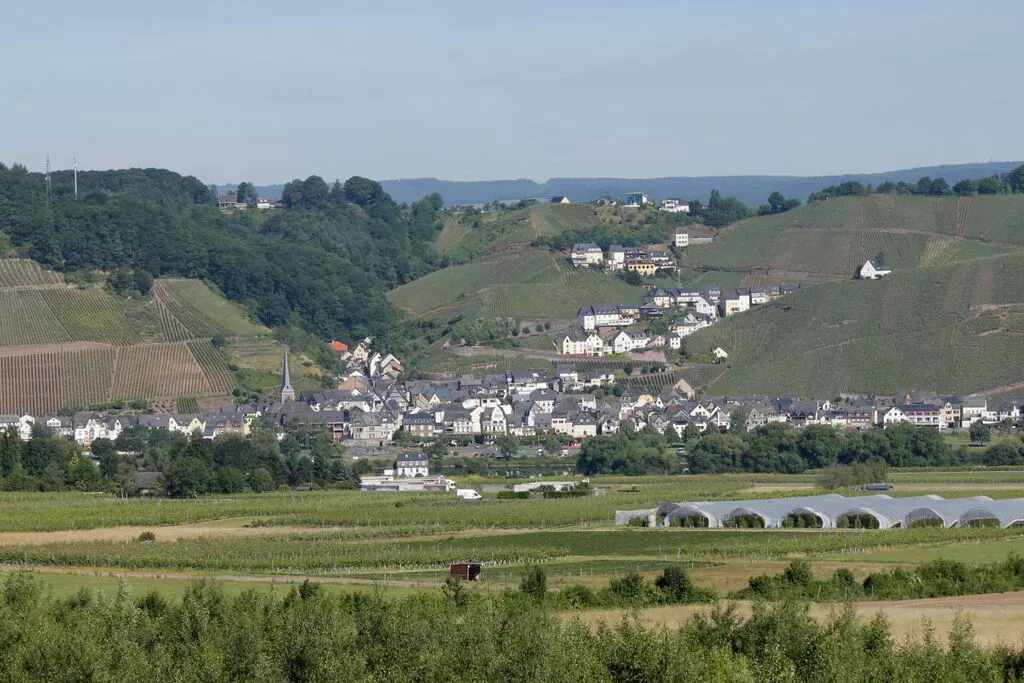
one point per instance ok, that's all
(267, 91)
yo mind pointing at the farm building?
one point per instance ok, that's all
(833, 511)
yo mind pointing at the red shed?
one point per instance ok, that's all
(469, 571)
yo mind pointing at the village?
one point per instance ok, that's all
(371, 408)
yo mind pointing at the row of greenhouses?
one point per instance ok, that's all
(832, 511)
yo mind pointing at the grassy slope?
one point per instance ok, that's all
(929, 328)
(461, 241)
(834, 237)
(522, 284)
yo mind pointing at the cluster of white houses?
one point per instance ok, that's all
(634, 259)
(528, 402)
(614, 328)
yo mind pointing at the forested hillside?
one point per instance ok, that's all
(323, 264)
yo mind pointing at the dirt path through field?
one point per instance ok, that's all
(910, 231)
(1000, 390)
(470, 351)
(28, 288)
(163, 533)
(56, 347)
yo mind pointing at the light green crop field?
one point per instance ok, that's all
(942, 327)
(403, 542)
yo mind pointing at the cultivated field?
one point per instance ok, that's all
(522, 284)
(26, 273)
(833, 238)
(404, 542)
(868, 336)
(64, 347)
(192, 305)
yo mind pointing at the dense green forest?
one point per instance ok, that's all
(323, 264)
(310, 634)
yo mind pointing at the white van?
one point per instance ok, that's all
(468, 494)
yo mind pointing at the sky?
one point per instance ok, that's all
(266, 92)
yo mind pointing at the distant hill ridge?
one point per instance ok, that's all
(751, 189)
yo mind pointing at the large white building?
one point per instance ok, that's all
(607, 315)
(586, 254)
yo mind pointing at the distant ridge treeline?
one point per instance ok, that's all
(752, 189)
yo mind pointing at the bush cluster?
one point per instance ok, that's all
(310, 634)
(930, 580)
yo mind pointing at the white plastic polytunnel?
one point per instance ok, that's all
(943, 512)
(1004, 513)
(833, 511)
(829, 508)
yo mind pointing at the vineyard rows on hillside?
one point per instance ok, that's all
(170, 327)
(26, 319)
(212, 362)
(201, 311)
(90, 315)
(23, 272)
(145, 371)
(86, 376)
(41, 383)
(30, 384)
(655, 384)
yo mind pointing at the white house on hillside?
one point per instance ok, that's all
(586, 254)
(675, 206)
(682, 238)
(872, 270)
(636, 199)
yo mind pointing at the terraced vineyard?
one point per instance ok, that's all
(90, 315)
(525, 284)
(202, 312)
(834, 237)
(146, 371)
(930, 327)
(23, 272)
(26, 319)
(87, 375)
(212, 362)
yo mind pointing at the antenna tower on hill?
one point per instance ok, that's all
(76, 175)
(49, 185)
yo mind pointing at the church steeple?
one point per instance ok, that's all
(287, 393)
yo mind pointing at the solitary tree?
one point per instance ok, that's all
(534, 583)
(980, 432)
